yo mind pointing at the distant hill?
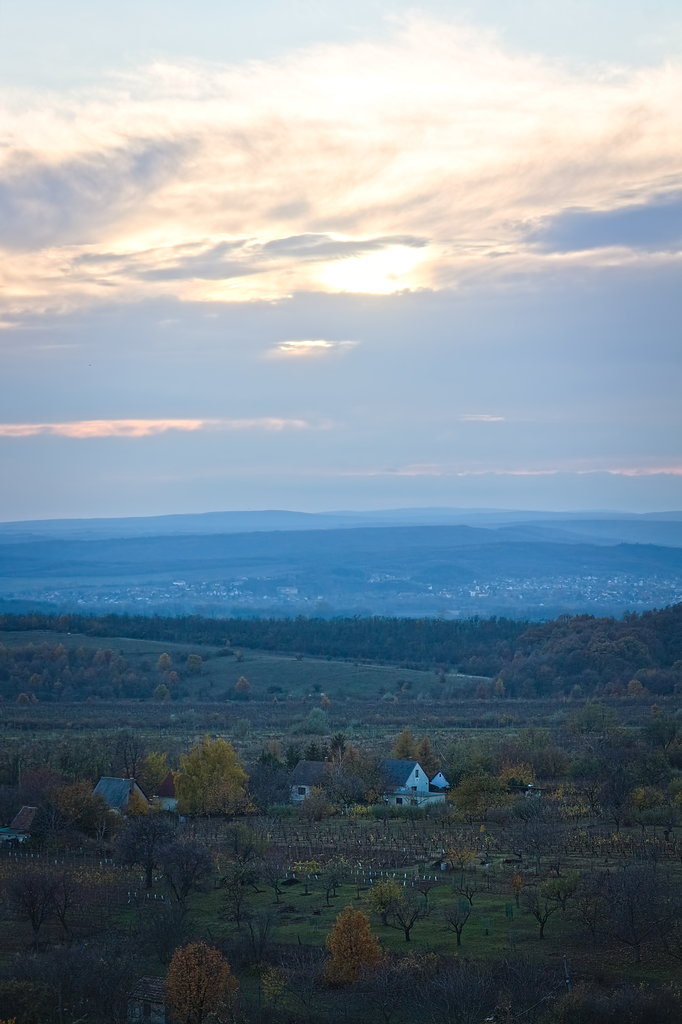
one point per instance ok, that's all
(233, 564)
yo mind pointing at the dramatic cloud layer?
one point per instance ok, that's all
(366, 167)
(422, 267)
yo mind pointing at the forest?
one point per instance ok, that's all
(582, 655)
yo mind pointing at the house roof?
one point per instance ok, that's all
(153, 989)
(309, 773)
(116, 792)
(23, 819)
(439, 781)
(167, 787)
(397, 772)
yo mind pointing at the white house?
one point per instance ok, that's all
(439, 782)
(407, 784)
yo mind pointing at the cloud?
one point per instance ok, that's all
(84, 429)
(447, 471)
(308, 348)
(404, 163)
(480, 417)
(652, 226)
(48, 202)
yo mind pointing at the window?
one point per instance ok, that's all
(416, 773)
(301, 790)
(398, 800)
(414, 803)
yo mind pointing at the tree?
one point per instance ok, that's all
(83, 810)
(31, 893)
(185, 866)
(476, 794)
(130, 752)
(405, 746)
(540, 904)
(381, 896)
(154, 771)
(211, 779)
(405, 911)
(194, 664)
(456, 916)
(426, 756)
(142, 839)
(242, 688)
(353, 947)
(200, 983)
(331, 876)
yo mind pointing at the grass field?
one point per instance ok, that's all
(281, 675)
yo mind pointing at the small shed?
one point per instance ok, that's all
(147, 1002)
(118, 793)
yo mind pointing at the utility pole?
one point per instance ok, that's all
(567, 976)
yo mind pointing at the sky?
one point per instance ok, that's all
(310, 255)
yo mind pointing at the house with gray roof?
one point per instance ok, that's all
(117, 793)
(407, 784)
(306, 776)
(19, 828)
(147, 1002)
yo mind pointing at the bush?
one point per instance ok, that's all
(316, 724)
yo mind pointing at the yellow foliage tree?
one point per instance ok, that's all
(154, 771)
(211, 779)
(353, 947)
(382, 895)
(200, 985)
(405, 746)
(426, 756)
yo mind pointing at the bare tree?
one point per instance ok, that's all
(540, 906)
(186, 866)
(456, 916)
(405, 910)
(31, 893)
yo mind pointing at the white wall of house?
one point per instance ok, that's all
(300, 793)
(415, 792)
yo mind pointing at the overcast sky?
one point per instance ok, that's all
(311, 255)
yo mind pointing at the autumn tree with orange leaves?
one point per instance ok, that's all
(353, 947)
(200, 984)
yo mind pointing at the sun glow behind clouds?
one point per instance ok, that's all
(375, 273)
(289, 164)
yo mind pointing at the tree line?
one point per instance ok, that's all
(571, 655)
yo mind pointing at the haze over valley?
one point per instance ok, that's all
(436, 562)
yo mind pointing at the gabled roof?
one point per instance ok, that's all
(397, 772)
(117, 792)
(167, 787)
(23, 819)
(439, 781)
(153, 989)
(309, 773)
